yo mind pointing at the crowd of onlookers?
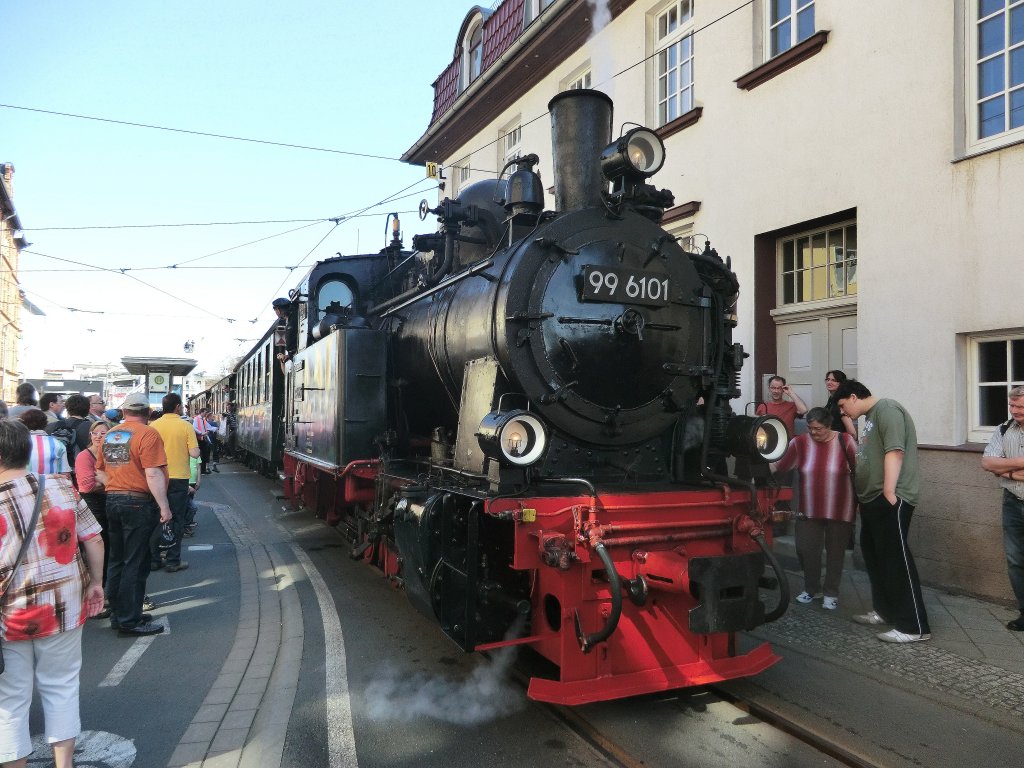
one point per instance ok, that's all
(91, 501)
(842, 469)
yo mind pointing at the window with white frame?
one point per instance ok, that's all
(996, 365)
(583, 81)
(683, 233)
(818, 265)
(510, 143)
(789, 22)
(996, 40)
(532, 9)
(673, 39)
(460, 173)
(472, 52)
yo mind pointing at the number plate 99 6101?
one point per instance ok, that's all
(625, 286)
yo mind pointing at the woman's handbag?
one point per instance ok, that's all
(24, 547)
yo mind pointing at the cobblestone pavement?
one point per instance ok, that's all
(971, 654)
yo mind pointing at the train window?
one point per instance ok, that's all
(267, 362)
(333, 297)
(259, 377)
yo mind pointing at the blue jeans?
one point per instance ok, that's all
(130, 523)
(1013, 542)
(177, 500)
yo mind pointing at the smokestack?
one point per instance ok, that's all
(581, 127)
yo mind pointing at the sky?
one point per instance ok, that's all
(343, 76)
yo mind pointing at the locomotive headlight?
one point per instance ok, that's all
(513, 437)
(638, 153)
(761, 438)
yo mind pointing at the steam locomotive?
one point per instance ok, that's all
(525, 422)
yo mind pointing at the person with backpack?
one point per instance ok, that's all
(49, 455)
(73, 430)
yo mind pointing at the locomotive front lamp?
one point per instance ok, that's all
(761, 438)
(638, 154)
(513, 437)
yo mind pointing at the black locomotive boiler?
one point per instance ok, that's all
(526, 423)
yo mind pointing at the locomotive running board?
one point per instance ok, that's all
(576, 692)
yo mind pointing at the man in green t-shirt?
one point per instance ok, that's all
(886, 482)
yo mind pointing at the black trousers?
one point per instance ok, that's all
(895, 585)
(204, 455)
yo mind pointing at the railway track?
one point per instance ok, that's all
(606, 740)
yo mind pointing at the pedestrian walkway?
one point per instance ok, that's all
(244, 718)
(971, 653)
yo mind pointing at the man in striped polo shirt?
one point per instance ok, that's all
(1004, 458)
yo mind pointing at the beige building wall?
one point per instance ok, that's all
(10, 296)
(876, 123)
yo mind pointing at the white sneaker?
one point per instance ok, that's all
(895, 636)
(805, 597)
(871, 617)
(830, 603)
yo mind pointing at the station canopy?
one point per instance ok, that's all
(175, 366)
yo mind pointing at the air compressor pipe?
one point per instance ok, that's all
(587, 642)
(779, 609)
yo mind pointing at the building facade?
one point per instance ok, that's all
(11, 243)
(801, 136)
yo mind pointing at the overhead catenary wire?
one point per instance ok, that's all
(390, 199)
(306, 223)
(341, 218)
(288, 145)
(189, 224)
(207, 134)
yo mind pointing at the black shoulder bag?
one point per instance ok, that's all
(24, 547)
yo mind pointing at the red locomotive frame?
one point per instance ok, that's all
(651, 538)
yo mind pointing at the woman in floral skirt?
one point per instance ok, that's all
(47, 600)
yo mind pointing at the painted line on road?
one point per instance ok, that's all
(341, 738)
(132, 655)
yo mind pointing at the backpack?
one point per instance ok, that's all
(1004, 427)
(68, 437)
(67, 433)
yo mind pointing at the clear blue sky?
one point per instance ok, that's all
(339, 75)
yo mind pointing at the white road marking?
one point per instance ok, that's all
(200, 547)
(341, 738)
(95, 748)
(133, 654)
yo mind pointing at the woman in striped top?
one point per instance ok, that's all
(49, 456)
(825, 460)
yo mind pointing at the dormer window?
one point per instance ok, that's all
(472, 53)
(532, 9)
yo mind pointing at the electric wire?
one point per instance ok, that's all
(189, 224)
(206, 134)
(209, 134)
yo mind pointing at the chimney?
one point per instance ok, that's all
(8, 169)
(581, 127)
